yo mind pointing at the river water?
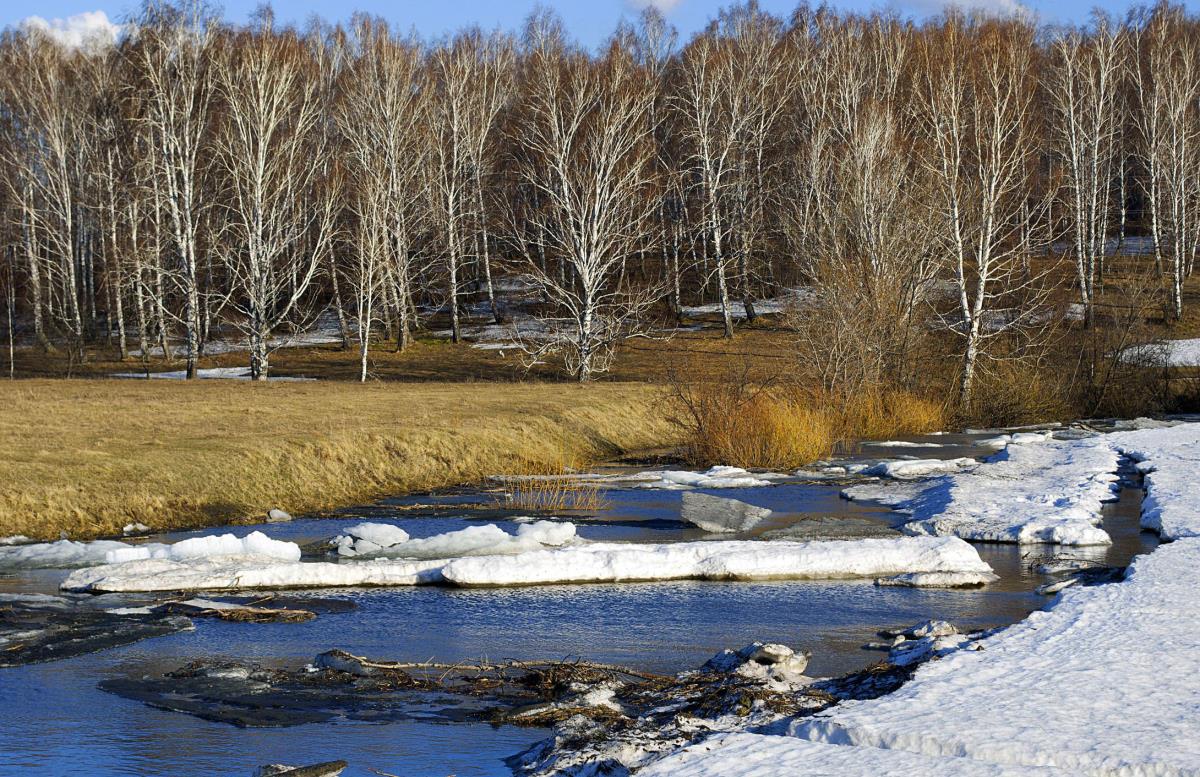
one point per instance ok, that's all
(56, 721)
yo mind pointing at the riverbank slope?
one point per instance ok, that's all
(89, 456)
(1103, 683)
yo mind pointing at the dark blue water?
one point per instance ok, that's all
(56, 722)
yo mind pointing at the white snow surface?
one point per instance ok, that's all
(754, 755)
(1103, 683)
(1036, 490)
(585, 563)
(1168, 458)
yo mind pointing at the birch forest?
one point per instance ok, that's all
(981, 193)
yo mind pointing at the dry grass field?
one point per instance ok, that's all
(89, 456)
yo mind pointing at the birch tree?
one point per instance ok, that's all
(724, 101)
(381, 115)
(1168, 120)
(271, 152)
(172, 49)
(975, 104)
(586, 148)
(1084, 85)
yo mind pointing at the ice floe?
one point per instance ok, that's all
(255, 543)
(384, 540)
(938, 579)
(719, 515)
(732, 560)
(1048, 492)
(63, 554)
(585, 563)
(918, 468)
(715, 477)
(69, 554)
(367, 539)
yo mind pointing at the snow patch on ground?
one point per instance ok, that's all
(1049, 491)
(1170, 353)
(790, 299)
(587, 563)
(210, 373)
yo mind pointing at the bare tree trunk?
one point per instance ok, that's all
(487, 259)
(343, 329)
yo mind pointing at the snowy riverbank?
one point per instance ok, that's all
(1103, 683)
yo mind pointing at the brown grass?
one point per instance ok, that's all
(87, 457)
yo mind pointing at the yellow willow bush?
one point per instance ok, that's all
(887, 413)
(736, 423)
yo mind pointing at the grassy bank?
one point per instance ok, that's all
(89, 456)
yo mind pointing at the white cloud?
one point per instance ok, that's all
(89, 29)
(990, 7)
(664, 6)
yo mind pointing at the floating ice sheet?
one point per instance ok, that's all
(586, 563)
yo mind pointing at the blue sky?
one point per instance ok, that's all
(589, 20)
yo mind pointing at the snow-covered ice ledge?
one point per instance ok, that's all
(1103, 683)
(599, 562)
(1035, 490)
